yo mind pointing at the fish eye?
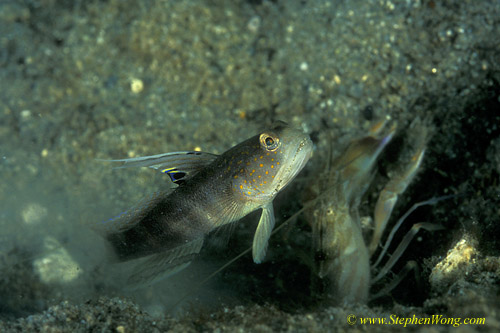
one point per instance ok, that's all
(269, 141)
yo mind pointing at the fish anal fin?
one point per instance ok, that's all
(160, 266)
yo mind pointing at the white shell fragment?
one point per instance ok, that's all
(56, 266)
(454, 265)
(33, 213)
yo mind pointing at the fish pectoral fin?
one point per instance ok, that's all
(163, 265)
(263, 232)
(178, 166)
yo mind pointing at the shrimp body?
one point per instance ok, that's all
(341, 253)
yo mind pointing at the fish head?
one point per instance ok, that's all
(269, 161)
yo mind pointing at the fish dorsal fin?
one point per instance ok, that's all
(179, 166)
(263, 232)
(159, 266)
(130, 217)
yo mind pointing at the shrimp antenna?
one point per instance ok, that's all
(410, 266)
(431, 201)
(306, 205)
(403, 245)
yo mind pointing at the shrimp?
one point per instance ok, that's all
(342, 252)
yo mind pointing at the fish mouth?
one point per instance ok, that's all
(307, 145)
(296, 162)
